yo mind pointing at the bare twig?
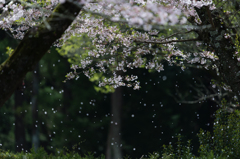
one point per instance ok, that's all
(203, 98)
(203, 93)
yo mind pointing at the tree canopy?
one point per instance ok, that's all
(124, 35)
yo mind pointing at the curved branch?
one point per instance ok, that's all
(34, 45)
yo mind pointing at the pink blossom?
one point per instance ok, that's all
(115, 48)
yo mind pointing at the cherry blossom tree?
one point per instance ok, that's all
(124, 35)
(112, 37)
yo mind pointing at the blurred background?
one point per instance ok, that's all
(47, 112)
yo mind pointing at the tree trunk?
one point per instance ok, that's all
(224, 48)
(35, 131)
(19, 131)
(114, 135)
(36, 42)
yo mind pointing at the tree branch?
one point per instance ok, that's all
(178, 33)
(167, 42)
(31, 49)
(225, 49)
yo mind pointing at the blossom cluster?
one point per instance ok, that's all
(132, 33)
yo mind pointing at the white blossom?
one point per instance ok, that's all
(115, 49)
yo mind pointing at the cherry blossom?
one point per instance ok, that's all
(132, 31)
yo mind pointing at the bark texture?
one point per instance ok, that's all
(224, 48)
(36, 42)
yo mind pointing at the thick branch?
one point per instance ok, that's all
(224, 48)
(32, 48)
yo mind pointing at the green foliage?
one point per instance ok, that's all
(154, 155)
(106, 89)
(42, 154)
(76, 48)
(180, 152)
(226, 135)
(223, 143)
(9, 50)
